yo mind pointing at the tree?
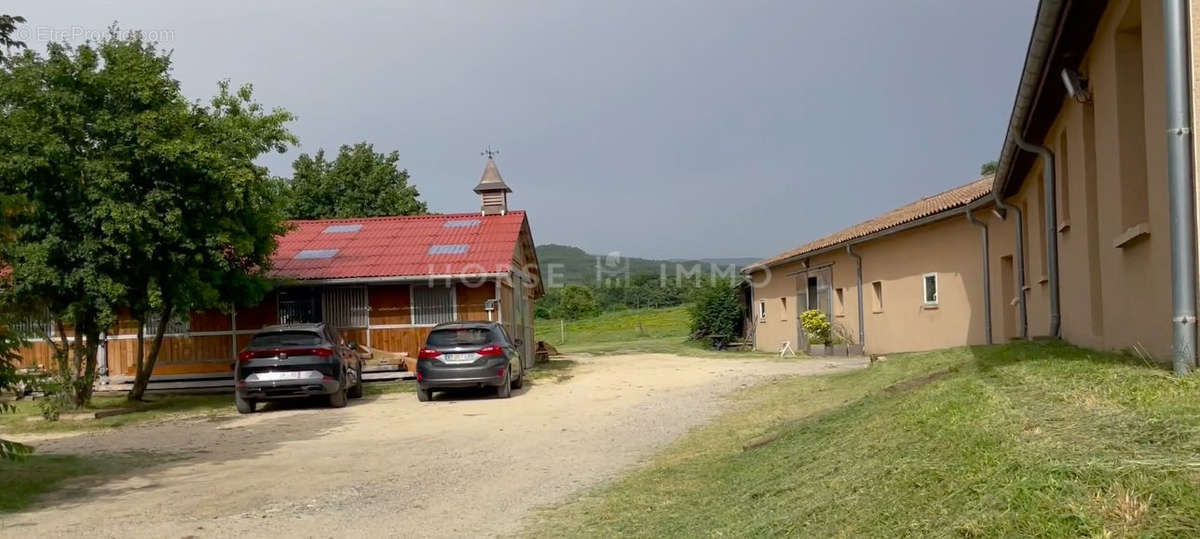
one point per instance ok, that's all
(359, 182)
(8, 25)
(139, 199)
(576, 302)
(989, 168)
(716, 312)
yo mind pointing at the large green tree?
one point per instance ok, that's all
(359, 182)
(138, 198)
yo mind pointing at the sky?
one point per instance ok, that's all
(653, 128)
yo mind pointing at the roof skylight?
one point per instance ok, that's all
(451, 249)
(314, 254)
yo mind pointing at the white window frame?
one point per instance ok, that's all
(762, 311)
(925, 289)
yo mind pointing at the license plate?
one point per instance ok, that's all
(283, 375)
(458, 358)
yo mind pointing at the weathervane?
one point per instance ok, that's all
(490, 152)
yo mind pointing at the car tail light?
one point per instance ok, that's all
(500, 372)
(492, 350)
(252, 354)
(429, 353)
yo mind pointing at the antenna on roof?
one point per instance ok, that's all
(490, 152)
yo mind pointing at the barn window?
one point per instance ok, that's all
(931, 289)
(178, 325)
(433, 305)
(35, 326)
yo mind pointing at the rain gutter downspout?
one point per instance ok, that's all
(1022, 315)
(1051, 227)
(1179, 185)
(862, 331)
(987, 274)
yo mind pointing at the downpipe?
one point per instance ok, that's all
(1180, 177)
(1023, 329)
(1051, 228)
(862, 331)
(987, 274)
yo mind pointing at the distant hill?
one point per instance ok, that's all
(576, 266)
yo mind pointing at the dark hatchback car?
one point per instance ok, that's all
(296, 360)
(469, 354)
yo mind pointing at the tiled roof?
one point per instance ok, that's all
(417, 246)
(930, 205)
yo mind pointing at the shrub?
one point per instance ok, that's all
(717, 312)
(816, 326)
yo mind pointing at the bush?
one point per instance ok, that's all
(717, 312)
(816, 326)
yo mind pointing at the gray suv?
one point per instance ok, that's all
(296, 360)
(469, 354)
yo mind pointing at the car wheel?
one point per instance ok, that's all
(356, 392)
(244, 406)
(337, 399)
(424, 395)
(504, 390)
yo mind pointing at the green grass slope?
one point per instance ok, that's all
(1019, 440)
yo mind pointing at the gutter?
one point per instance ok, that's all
(1023, 325)
(987, 273)
(862, 330)
(1051, 227)
(1045, 27)
(289, 282)
(1180, 189)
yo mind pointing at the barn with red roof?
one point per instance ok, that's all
(382, 282)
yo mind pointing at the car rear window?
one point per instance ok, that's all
(286, 338)
(459, 337)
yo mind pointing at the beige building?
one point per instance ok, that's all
(1093, 195)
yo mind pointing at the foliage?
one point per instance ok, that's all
(989, 168)
(9, 344)
(575, 302)
(717, 312)
(359, 182)
(1030, 439)
(8, 25)
(816, 326)
(137, 198)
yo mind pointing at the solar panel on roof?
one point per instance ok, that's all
(462, 223)
(453, 249)
(313, 254)
(341, 229)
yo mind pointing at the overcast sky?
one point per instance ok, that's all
(653, 128)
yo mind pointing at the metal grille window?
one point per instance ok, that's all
(299, 306)
(433, 305)
(346, 307)
(34, 326)
(177, 326)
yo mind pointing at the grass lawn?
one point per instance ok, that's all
(629, 331)
(1016, 440)
(21, 482)
(26, 416)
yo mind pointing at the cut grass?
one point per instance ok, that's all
(22, 482)
(1017, 440)
(555, 370)
(628, 332)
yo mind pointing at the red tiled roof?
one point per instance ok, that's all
(930, 205)
(417, 246)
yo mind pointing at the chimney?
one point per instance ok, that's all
(493, 190)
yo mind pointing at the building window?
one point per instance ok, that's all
(839, 307)
(877, 301)
(178, 325)
(1064, 181)
(37, 326)
(1131, 118)
(783, 309)
(299, 306)
(433, 305)
(762, 311)
(931, 289)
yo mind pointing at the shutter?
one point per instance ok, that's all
(345, 307)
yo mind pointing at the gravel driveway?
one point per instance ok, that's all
(391, 466)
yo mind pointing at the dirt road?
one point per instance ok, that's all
(391, 466)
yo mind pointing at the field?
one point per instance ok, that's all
(1017, 440)
(628, 331)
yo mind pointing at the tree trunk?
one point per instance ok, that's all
(91, 348)
(138, 390)
(143, 374)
